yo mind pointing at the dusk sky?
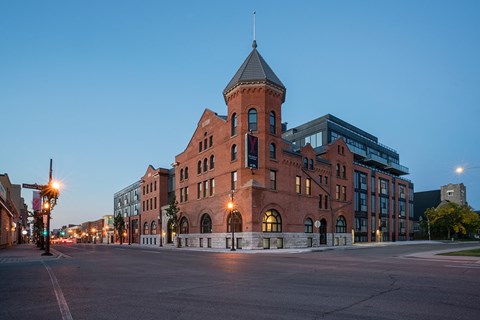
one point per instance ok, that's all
(106, 88)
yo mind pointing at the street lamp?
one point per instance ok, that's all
(232, 221)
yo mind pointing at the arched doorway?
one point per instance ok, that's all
(323, 231)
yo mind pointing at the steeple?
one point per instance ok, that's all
(254, 70)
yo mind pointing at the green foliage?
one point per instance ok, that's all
(119, 225)
(451, 218)
(172, 212)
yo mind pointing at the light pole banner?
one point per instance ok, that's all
(251, 151)
(36, 201)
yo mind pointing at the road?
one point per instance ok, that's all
(134, 282)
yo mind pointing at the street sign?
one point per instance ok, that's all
(317, 224)
(32, 186)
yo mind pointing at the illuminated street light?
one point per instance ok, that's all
(230, 206)
(461, 169)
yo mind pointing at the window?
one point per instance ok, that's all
(273, 151)
(326, 180)
(272, 222)
(272, 123)
(337, 192)
(237, 221)
(205, 165)
(320, 201)
(155, 185)
(305, 163)
(181, 174)
(211, 141)
(234, 152)
(308, 225)
(205, 146)
(199, 190)
(341, 226)
(212, 162)
(145, 228)
(234, 180)
(273, 180)
(186, 172)
(344, 193)
(320, 179)
(186, 194)
(326, 202)
(143, 192)
(199, 167)
(184, 225)
(212, 186)
(153, 229)
(311, 164)
(337, 169)
(200, 146)
(234, 124)
(206, 224)
(252, 120)
(205, 188)
(155, 203)
(344, 172)
(181, 195)
(308, 186)
(298, 184)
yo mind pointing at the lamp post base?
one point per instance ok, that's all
(47, 254)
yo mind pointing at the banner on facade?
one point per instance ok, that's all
(36, 201)
(251, 152)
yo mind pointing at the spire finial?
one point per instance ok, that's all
(254, 44)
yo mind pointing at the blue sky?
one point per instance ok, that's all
(106, 88)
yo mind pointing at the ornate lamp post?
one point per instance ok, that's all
(232, 220)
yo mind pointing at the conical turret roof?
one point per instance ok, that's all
(254, 69)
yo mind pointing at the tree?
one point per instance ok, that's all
(172, 212)
(119, 225)
(449, 218)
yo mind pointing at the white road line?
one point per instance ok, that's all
(466, 266)
(149, 251)
(62, 303)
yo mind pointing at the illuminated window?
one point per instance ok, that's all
(272, 221)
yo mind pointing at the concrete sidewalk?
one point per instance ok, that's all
(25, 253)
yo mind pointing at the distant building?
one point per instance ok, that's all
(13, 212)
(154, 195)
(126, 203)
(456, 193)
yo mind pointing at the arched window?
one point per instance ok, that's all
(273, 151)
(153, 228)
(186, 172)
(184, 225)
(206, 224)
(234, 124)
(305, 163)
(212, 162)
(311, 164)
(205, 165)
(237, 221)
(341, 226)
(181, 174)
(338, 170)
(308, 225)
(272, 222)
(145, 228)
(272, 123)
(234, 152)
(344, 172)
(252, 120)
(199, 167)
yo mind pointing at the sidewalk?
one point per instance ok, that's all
(25, 253)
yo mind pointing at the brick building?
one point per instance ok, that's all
(154, 195)
(278, 199)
